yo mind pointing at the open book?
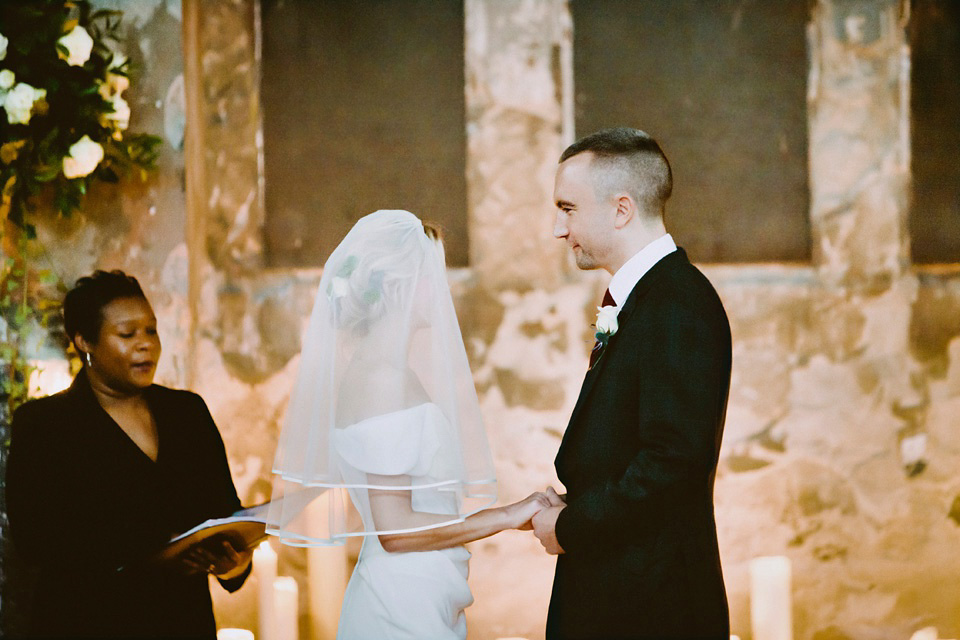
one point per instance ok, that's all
(243, 529)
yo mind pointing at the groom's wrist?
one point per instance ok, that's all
(560, 528)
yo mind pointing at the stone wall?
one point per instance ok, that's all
(841, 443)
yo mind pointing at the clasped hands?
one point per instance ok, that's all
(539, 512)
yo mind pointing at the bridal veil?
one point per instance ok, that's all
(384, 399)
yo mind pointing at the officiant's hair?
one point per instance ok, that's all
(629, 160)
(83, 305)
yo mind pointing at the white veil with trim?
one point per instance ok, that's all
(384, 400)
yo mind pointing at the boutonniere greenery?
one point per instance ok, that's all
(606, 324)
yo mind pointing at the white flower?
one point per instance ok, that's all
(79, 44)
(85, 155)
(19, 102)
(3, 46)
(113, 85)
(607, 320)
(118, 61)
(7, 78)
(340, 287)
(120, 116)
(118, 83)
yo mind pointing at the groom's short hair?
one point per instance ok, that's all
(626, 159)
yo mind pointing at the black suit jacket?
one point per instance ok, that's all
(638, 461)
(86, 506)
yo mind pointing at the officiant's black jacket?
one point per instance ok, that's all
(86, 506)
(638, 461)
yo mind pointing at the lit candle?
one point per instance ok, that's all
(234, 634)
(326, 573)
(286, 596)
(770, 614)
(265, 570)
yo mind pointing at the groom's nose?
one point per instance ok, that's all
(559, 226)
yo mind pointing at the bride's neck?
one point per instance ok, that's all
(385, 342)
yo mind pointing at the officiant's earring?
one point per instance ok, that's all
(89, 359)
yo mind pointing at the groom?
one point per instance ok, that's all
(636, 532)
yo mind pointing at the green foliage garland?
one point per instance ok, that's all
(63, 124)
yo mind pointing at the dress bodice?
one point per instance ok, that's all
(420, 594)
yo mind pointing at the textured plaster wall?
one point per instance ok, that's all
(841, 447)
(138, 226)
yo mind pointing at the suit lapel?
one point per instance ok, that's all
(623, 318)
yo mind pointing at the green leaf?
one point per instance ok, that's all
(105, 13)
(46, 174)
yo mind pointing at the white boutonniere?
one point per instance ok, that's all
(606, 324)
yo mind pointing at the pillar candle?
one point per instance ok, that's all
(286, 609)
(265, 571)
(234, 634)
(326, 574)
(770, 609)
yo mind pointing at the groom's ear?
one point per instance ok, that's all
(626, 210)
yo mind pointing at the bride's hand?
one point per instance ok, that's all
(519, 514)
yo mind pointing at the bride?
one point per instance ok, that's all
(384, 409)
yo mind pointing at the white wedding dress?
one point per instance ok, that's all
(384, 401)
(418, 595)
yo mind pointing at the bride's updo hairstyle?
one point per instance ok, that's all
(374, 280)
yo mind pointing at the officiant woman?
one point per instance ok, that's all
(101, 475)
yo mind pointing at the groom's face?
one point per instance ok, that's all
(584, 221)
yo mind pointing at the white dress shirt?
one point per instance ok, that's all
(627, 276)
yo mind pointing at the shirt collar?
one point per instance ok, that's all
(627, 276)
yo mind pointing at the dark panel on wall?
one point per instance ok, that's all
(721, 84)
(935, 113)
(363, 109)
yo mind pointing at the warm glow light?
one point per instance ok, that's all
(265, 572)
(234, 634)
(770, 606)
(48, 377)
(285, 603)
(327, 573)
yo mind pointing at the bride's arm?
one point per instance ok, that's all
(392, 510)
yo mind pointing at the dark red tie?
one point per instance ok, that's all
(597, 347)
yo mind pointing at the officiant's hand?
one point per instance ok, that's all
(220, 559)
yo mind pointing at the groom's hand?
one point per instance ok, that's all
(545, 528)
(556, 500)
